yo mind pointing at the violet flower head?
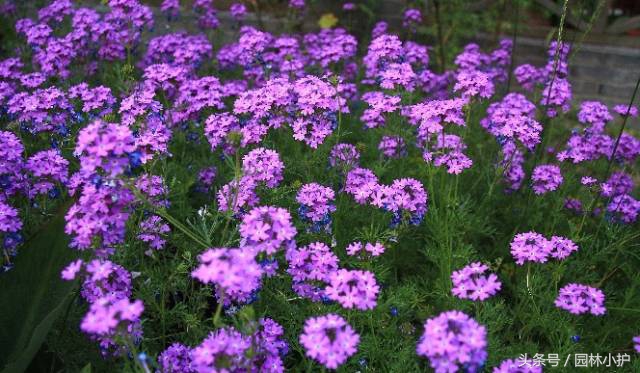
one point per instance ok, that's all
(636, 343)
(235, 272)
(48, 168)
(372, 249)
(361, 183)
(622, 110)
(619, 183)
(171, 8)
(107, 316)
(546, 178)
(296, 4)
(263, 165)
(556, 95)
(392, 146)
(344, 156)
(267, 229)
(411, 18)
(530, 247)
(176, 359)
(528, 76)
(153, 231)
(472, 83)
(379, 105)
(105, 146)
(238, 11)
(453, 341)
(310, 268)
(561, 247)
(595, 114)
(624, 208)
(353, 289)
(316, 205)
(329, 339)
(472, 283)
(238, 194)
(224, 350)
(579, 299)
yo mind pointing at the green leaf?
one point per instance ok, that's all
(34, 295)
(86, 369)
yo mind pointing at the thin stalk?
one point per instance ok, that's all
(436, 4)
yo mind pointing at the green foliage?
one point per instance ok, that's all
(33, 295)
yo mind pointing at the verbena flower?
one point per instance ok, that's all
(472, 283)
(316, 205)
(530, 247)
(310, 268)
(263, 165)
(579, 299)
(372, 249)
(453, 341)
(234, 272)
(267, 229)
(329, 340)
(353, 289)
(546, 178)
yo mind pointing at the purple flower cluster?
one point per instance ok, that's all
(471, 282)
(235, 273)
(353, 289)
(344, 156)
(375, 249)
(329, 339)
(579, 299)
(454, 341)
(392, 146)
(316, 205)
(310, 268)
(534, 247)
(226, 349)
(546, 178)
(403, 197)
(267, 229)
(517, 366)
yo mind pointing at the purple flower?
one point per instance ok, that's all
(579, 299)
(176, 359)
(474, 83)
(622, 110)
(454, 341)
(107, 317)
(379, 105)
(353, 289)
(238, 194)
(528, 76)
(471, 282)
(153, 231)
(561, 247)
(530, 247)
(106, 146)
(238, 11)
(636, 341)
(235, 272)
(316, 201)
(329, 340)
(267, 229)
(411, 18)
(310, 268)
(296, 4)
(595, 114)
(375, 249)
(624, 208)
(619, 183)
(263, 165)
(546, 178)
(344, 156)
